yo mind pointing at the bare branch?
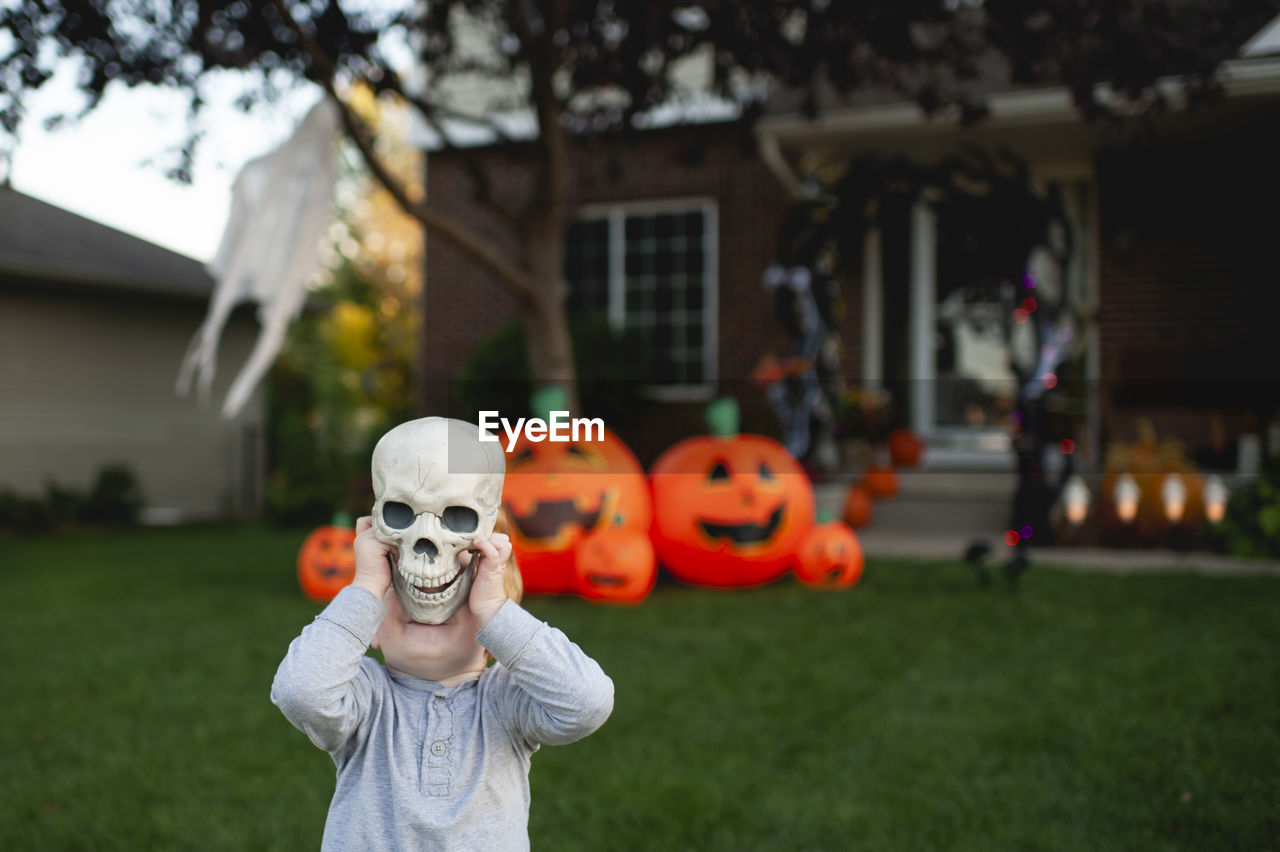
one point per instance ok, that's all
(479, 249)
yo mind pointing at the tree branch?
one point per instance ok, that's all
(486, 253)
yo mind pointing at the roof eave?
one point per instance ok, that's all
(1046, 106)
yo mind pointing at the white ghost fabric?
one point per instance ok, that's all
(270, 248)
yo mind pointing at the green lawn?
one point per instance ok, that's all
(915, 711)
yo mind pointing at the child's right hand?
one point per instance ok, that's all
(373, 559)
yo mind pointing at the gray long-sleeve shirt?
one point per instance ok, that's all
(424, 766)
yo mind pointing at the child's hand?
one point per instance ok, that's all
(488, 593)
(373, 560)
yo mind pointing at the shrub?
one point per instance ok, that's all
(1252, 524)
(115, 500)
(612, 367)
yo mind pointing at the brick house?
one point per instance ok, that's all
(93, 327)
(716, 205)
(1175, 253)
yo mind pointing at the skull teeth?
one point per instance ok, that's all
(431, 590)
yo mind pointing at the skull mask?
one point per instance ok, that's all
(437, 487)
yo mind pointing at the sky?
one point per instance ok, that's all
(98, 167)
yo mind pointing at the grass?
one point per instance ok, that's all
(915, 711)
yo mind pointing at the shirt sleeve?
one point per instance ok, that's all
(321, 686)
(560, 693)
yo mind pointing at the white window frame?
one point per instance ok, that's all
(616, 214)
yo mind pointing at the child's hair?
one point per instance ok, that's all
(512, 582)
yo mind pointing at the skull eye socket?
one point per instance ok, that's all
(460, 519)
(398, 516)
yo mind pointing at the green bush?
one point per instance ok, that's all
(1252, 524)
(23, 514)
(115, 500)
(611, 367)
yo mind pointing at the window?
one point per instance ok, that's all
(652, 269)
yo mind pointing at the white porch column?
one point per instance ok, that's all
(923, 272)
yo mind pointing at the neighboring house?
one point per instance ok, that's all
(93, 327)
(1174, 265)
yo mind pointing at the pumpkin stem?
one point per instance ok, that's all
(825, 515)
(342, 519)
(548, 399)
(723, 417)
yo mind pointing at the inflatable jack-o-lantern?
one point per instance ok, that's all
(558, 492)
(830, 556)
(616, 564)
(326, 562)
(729, 509)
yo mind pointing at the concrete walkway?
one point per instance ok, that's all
(919, 545)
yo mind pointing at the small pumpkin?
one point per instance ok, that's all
(905, 448)
(616, 564)
(326, 562)
(880, 482)
(857, 507)
(831, 557)
(557, 493)
(729, 509)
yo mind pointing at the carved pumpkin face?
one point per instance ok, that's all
(830, 557)
(557, 493)
(729, 511)
(326, 562)
(616, 564)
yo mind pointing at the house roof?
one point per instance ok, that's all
(1265, 42)
(41, 242)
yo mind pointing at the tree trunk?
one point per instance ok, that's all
(550, 347)
(540, 289)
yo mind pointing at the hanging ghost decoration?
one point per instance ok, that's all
(436, 487)
(270, 248)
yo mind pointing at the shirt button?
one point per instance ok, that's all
(437, 748)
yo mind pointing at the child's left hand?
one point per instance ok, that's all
(488, 593)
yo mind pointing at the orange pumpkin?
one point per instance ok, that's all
(830, 557)
(729, 510)
(880, 482)
(905, 448)
(857, 507)
(616, 564)
(557, 493)
(326, 562)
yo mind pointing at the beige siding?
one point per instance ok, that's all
(87, 379)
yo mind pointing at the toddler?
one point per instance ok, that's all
(432, 749)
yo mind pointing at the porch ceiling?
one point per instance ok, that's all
(1039, 124)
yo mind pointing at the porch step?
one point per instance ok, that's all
(934, 503)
